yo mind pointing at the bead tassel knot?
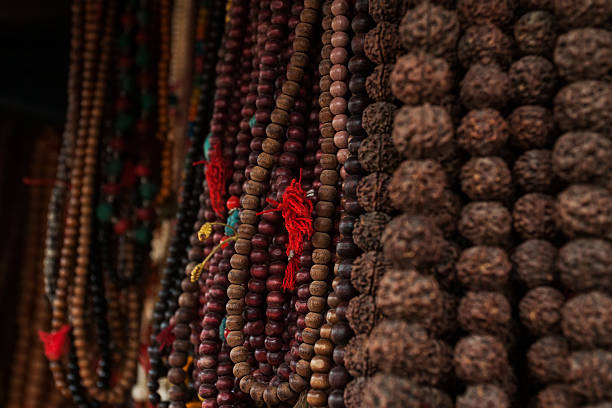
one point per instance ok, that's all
(55, 342)
(296, 210)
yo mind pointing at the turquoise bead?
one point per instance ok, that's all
(147, 190)
(142, 235)
(104, 212)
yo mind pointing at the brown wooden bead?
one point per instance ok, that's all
(242, 246)
(302, 367)
(241, 369)
(254, 188)
(306, 351)
(239, 261)
(316, 398)
(269, 396)
(323, 224)
(246, 382)
(264, 160)
(239, 354)
(325, 209)
(294, 74)
(310, 335)
(271, 146)
(297, 382)
(235, 291)
(285, 392)
(321, 240)
(319, 381)
(280, 116)
(300, 59)
(309, 15)
(318, 288)
(314, 320)
(328, 146)
(325, 115)
(327, 130)
(238, 276)
(259, 173)
(291, 88)
(234, 306)
(319, 272)
(325, 331)
(275, 131)
(256, 391)
(248, 201)
(235, 338)
(328, 161)
(327, 193)
(321, 256)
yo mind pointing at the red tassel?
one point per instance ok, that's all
(55, 342)
(165, 337)
(216, 176)
(296, 210)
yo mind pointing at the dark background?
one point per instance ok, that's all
(34, 45)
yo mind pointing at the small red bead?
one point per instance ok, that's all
(121, 226)
(233, 202)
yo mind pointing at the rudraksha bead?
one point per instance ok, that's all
(556, 395)
(483, 132)
(584, 53)
(585, 263)
(583, 105)
(533, 216)
(535, 33)
(369, 229)
(377, 153)
(485, 222)
(585, 13)
(424, 131)
(486, 178)
(400, 348)
(587, 320)
(382, 43)
(498, 12)
(540, 310)
(484, 268)
(377, 118)
(533, 80)
(582, 156)
(388, 10)
(485, 44)
(361, 314)
(584, 210)
(378, 83)
(485, 313)
(534, 261)
(589, 374)
(419, 77)
(485, 86)
(430, 28)
(483, 395)
(547, 359)
(531, 127)
(480, 358)
(533, 171)
(387, 391)
(367, 271)
(408, 295)
(417, 184)
(356, 359)
(412, 241)
(373, 192)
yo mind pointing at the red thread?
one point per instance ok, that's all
(216, 175)
(42, 181)
(165, 337)
(296, 210)
(55, 342)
